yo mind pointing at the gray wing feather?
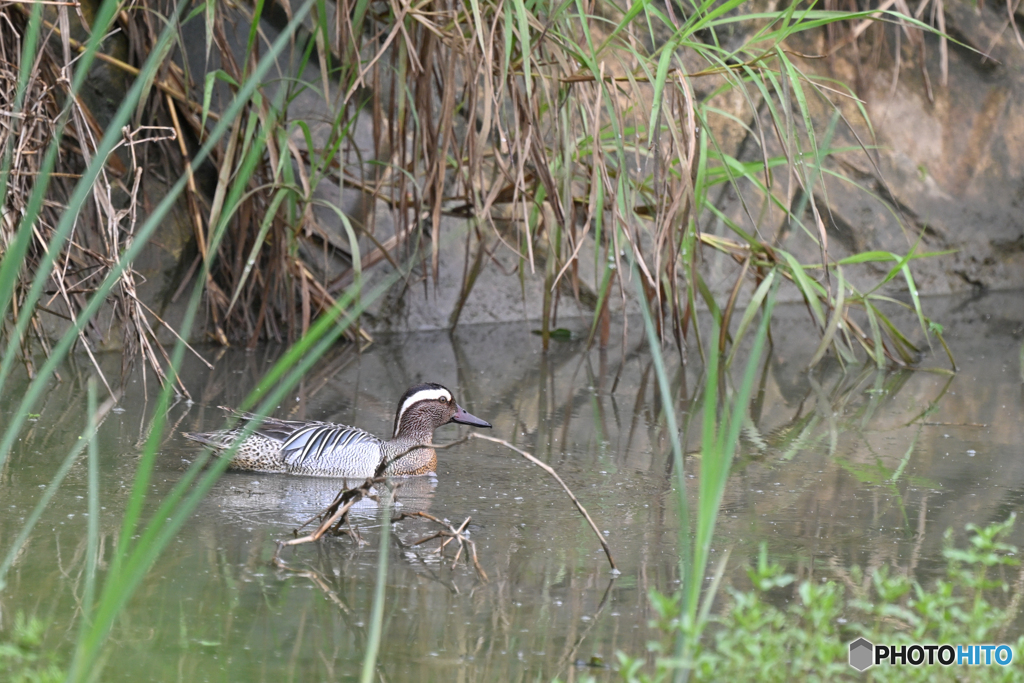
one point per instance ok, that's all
(331, 442)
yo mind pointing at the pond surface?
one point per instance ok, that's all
(837, 468)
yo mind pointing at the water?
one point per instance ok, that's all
(836, 469)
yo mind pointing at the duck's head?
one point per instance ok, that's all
(425, 407)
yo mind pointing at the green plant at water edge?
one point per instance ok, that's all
(754, 638)
(377, 612)
(22, 657)
(722, 416)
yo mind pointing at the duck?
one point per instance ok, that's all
(325, 449)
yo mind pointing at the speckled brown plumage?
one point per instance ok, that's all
(324, 449)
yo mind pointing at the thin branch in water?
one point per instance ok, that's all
(388, 462)
(549, 470)
(335, 512)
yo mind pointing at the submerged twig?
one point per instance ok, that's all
(332, 514)
(450, 534)
(318, 580)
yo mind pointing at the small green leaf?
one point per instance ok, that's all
(561, 334)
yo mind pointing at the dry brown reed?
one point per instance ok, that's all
(107, 223)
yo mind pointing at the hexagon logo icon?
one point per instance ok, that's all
(861, 654)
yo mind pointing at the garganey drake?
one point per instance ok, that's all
(323, 449)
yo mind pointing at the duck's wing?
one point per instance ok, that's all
(318, 445)
(286, 430)
(271, 427)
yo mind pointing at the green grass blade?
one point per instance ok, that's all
(719, 442)
(15, 258)
(177, 506)
(141, 482)
(877, 351)
(748, 315)
(113, 599)
(377, 612)
(808, 288)
(829, 336)
(143, 233)
(523, 27)
(83, 190)
(93, 530)
(659, 90)
(132, 561)
(664, 388)
(261, 236)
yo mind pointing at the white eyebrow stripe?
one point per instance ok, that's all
(421, 395)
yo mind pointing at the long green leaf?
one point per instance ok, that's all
(377, 612)
(829, 335)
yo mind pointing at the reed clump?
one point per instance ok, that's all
(576, 139)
